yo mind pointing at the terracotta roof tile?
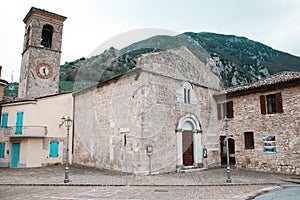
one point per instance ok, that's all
(279, 78)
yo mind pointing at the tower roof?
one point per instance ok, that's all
(43, 13)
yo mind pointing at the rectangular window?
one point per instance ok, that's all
(2, 150)
(271, 103)
(53, 149)
(225, 109)
(4, 120)
(249, 140)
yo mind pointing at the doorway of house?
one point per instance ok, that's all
(15, 154)
(231, 146)
(188, 148)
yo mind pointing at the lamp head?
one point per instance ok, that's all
(68, 122)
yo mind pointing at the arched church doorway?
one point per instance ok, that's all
(189, 144)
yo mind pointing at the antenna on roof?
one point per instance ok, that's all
(11, 85)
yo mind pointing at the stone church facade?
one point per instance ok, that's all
(165, 103)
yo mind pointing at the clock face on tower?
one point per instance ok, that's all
(44, 70)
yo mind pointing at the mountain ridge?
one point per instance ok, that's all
(237, 60)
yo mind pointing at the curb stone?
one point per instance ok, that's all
(135, 185)
(256, 193)
(296, 181)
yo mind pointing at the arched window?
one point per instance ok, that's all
(187, 87)
(46, 39)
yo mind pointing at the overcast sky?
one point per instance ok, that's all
(91, 23)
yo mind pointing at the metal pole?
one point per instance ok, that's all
(67, 159)
(228, 179)
(126, 175)
(150, 165)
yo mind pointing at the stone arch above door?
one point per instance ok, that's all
(189, 122)
(189, 119)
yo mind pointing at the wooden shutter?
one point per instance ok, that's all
(225, 110)
(4, 120)
(53, 149)
(19, 123)
(279, 102)
(2, 150)
(263, 104)
(230, 109)
(219, 111)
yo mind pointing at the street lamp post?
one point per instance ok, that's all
(125, 162)
(228, 179)
(68, 122)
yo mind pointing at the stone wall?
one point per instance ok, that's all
(31, 85)
(285, 127)
(146, 105)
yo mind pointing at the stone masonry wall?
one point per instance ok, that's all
(285, 127)
(30, 84)
(146, 106)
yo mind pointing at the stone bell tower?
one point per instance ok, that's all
(41, 54)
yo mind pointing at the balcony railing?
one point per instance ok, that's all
(24, 131)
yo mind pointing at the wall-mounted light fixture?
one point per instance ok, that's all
(149, 150)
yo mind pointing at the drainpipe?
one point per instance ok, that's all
(73, 137)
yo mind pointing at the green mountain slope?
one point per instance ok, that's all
(241, 51)
(236, 60)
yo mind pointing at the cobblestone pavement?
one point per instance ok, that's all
(92, 183)
(131, 192)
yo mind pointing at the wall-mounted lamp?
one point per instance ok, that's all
(67, 121)
(149, 150)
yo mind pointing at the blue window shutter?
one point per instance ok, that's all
(53, 149)
(19, 123)
(2, 150)
(4, 120)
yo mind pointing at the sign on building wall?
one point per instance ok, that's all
(269, 143)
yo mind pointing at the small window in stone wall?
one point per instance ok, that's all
(187, 87)
(249, 140)
(271, 103)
